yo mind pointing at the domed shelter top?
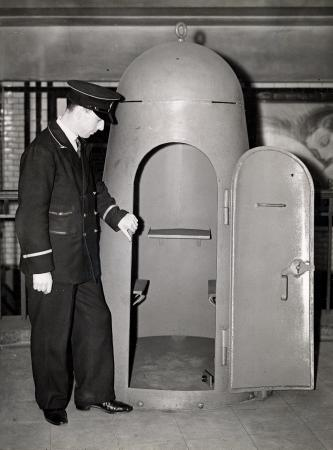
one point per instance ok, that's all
(180, 71)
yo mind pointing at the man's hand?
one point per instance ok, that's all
(42, 282)
(128, 225)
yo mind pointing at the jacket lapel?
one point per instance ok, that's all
(67, 151)
(85, 166)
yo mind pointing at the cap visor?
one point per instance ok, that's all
(104, 115)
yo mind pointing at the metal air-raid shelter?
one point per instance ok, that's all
(213, 298)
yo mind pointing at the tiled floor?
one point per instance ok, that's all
(288, 420)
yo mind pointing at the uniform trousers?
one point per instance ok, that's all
(71, 341)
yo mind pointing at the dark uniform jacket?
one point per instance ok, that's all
(59, 205)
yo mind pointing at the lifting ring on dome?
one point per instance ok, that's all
(181, 31)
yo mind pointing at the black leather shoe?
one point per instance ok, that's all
(110, 407)
(56, 416)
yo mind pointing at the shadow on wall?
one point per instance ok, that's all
(250, 100)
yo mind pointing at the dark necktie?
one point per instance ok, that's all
(78, 143)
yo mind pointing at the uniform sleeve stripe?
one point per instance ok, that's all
(31, 255)
(107, 211)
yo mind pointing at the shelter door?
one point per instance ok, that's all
(272, 273)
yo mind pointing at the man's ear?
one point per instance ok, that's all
(79, 111)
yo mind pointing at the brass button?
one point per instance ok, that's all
(95, 230)
(84, 234)
(84, 215)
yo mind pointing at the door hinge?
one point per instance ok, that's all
(226, 207)
(224, 346)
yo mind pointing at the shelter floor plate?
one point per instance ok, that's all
(172, 362)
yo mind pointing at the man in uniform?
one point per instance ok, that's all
(57, 228)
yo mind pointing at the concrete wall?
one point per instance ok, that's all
(162, 3)
(261, 44)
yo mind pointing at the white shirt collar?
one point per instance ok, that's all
(71, 136)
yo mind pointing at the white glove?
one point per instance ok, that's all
(42, 282)
(128, 225)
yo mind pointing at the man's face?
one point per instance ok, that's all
(89, 123)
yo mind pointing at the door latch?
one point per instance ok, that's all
(296, 268)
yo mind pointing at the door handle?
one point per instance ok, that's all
(296, 268)
(284, 287)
